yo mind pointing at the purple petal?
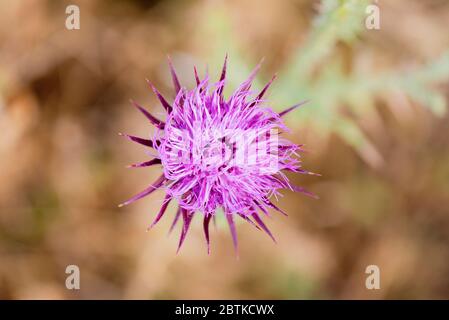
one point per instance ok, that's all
(271, 205)
(223, 71)
(264, 90)
(187, 217)
(244, 217)
(197, 79)
(261, 207)
(304, 191)
(164, 102)
(223, 75)
(176, 83)
(231, 224)
(206, 222)
(175, 220)
(142, 141)
(283, 113)
(164, 206)
(247, 83)
(145, 164)
(158, 123)
(262, 224)
(145, 192)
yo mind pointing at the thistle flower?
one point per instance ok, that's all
(219, 153)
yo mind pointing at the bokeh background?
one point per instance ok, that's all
(376, 128)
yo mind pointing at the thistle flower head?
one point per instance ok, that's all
(219, 152)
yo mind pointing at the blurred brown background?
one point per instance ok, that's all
(64, 97)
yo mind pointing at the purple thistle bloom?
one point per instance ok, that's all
(219, 153)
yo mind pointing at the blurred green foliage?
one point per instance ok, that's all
(315, 71)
